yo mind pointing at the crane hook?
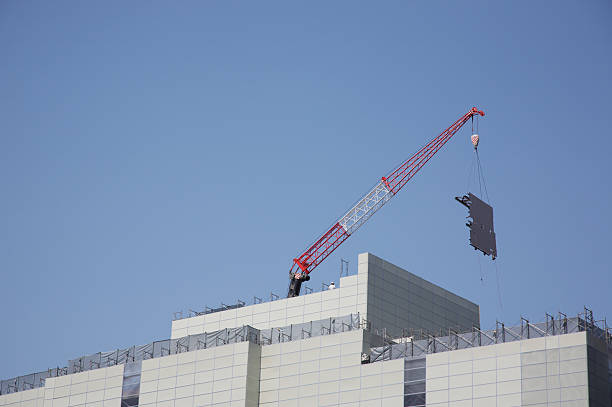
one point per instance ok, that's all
(475, 139)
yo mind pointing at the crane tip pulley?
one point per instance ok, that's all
(475, 111)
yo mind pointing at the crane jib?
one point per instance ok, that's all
(367, 206)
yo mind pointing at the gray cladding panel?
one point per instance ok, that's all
(481, 212)
(399, 301)
(482, 234)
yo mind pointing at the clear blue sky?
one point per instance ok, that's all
(159, 156)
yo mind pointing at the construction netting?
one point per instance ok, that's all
(310, 329)
(163, 348)
(420, 346)
(185, 344)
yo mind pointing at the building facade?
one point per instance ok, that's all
(384, 337)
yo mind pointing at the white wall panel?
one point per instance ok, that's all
(523, 373)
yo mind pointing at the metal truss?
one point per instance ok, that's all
(373, 201)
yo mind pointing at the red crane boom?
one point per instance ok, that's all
(388, 186)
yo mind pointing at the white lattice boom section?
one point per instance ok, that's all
(366, 207)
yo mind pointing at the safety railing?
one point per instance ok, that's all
(422, 343)
(185, 344)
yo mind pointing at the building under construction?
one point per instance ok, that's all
(383, 337)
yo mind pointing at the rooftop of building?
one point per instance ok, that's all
(415, 343)
(380, 298)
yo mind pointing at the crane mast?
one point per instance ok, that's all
(367, 206)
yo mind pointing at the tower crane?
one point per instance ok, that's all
(367, 206)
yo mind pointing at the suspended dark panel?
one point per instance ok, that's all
(480, 223)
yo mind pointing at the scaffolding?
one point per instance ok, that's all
(412, 344)
(189, 343)
(420, 343)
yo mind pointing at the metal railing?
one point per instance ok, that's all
(189, 343)
(423, 343)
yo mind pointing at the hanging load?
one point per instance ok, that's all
(480, 223)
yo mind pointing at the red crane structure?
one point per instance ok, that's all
(371, 202)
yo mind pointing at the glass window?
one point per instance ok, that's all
(412, 400)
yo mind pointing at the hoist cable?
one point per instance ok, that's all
(499, 296)
(481, 174)
(470, 174)
(480, 270)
